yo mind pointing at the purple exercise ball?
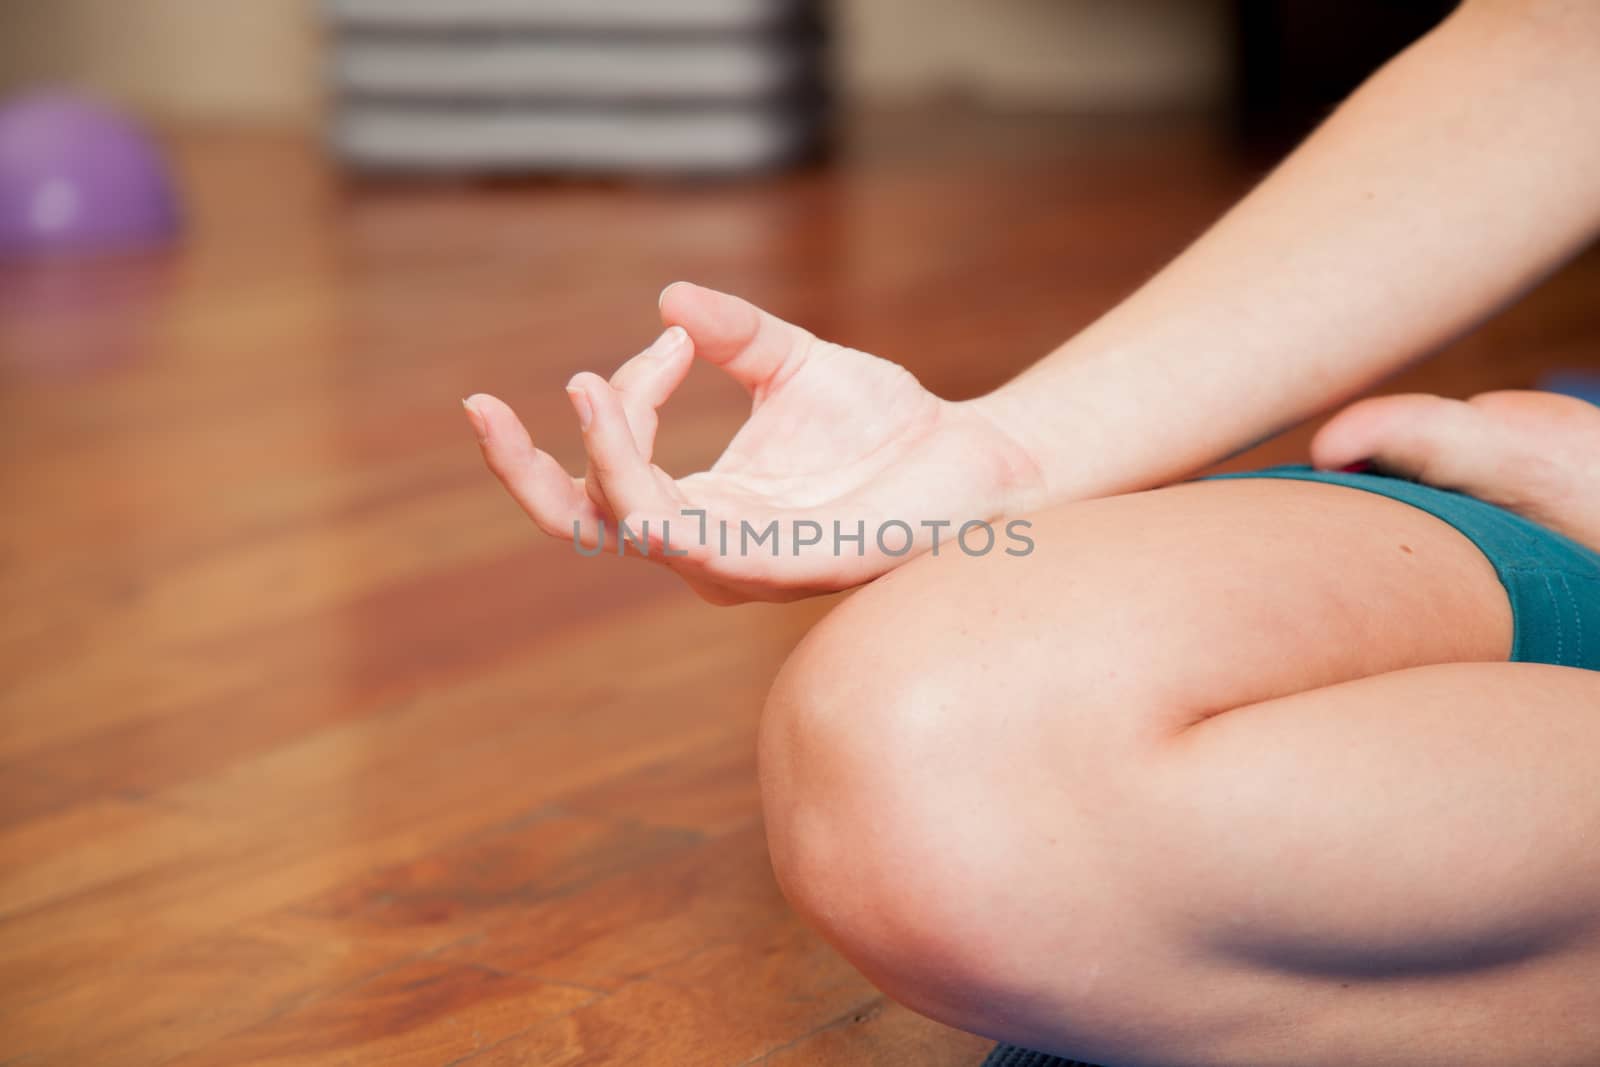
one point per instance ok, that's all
(77, 175)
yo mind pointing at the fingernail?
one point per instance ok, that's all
(580, 404)
(474, 416)
(662, 299)
(671, 340)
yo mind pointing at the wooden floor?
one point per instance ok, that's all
(312, 752)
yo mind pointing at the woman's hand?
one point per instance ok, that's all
(835, 436)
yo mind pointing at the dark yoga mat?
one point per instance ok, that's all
(1012, 1056)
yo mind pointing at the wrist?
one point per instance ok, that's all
(1023, 470)
(1082, 432)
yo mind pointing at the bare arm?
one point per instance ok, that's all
(1453, 180)
(1449, 183)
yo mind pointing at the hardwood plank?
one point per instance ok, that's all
(882, 1035)
(188, 994)
(291, 960)
(727, 1004)
(711, 790)
(91, 845)
(634, 924)
(310, 815)
(419, 1015)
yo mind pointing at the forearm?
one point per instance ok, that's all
(1449, 183)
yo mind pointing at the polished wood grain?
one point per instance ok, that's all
(312, 752)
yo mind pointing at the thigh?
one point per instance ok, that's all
(1399, 869)
(1149, 612)
(1012, 680)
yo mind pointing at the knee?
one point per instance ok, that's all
(851, 755)
(902, 806)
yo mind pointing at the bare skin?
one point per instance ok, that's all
(834, 433)
(1225, 773)
(1537, 454)
(1184, 789)
(1207, 792)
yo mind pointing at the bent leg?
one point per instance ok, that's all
(1224, 773)
(1402, 867)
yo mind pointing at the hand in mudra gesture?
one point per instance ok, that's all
(834, 436)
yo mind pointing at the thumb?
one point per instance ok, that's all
(754, 347)
(1426, 438)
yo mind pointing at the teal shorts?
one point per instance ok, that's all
(1552, 581)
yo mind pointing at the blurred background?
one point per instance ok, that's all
(268, 63)
(260, 61)
(312, 750)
